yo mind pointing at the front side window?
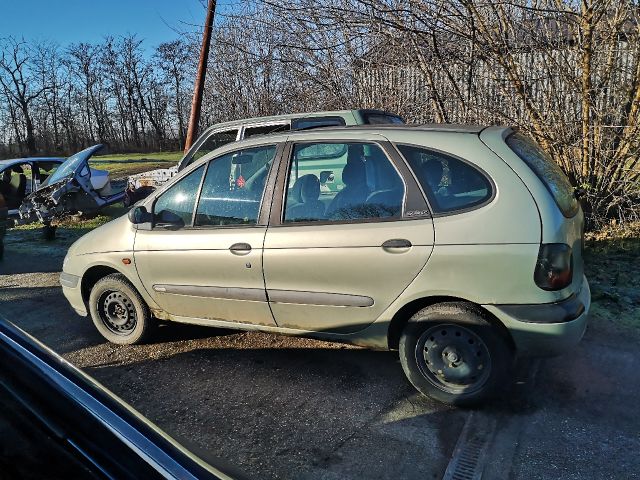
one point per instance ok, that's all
(233, 187)
(449, 183)
(213, 141)
(329, 182)
(180, 198)
(547, 170)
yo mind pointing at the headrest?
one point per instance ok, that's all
(354, 173)
(355, 152)
(310, 188)
(306, 188)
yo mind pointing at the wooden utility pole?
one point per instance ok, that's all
(196, 103)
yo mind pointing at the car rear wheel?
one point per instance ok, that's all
(450, 352)
(118, 311)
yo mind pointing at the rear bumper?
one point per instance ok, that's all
(73, 293)
(546, 329)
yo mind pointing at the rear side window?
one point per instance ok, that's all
(450, 184)
(547, 170)
(265, 129)
(316, 122)
(380, 118)
(358, 182)
(213, 141)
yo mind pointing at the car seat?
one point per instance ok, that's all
(304, 196)
(355, 191)
(18, 185)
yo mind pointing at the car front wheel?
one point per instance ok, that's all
(450, 352)
(118, 311)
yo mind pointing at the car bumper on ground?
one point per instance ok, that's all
(73, 293)
(546, 329)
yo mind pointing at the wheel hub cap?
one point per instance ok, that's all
(117, 312)
(453, 358)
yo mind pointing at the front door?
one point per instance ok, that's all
(336, 258)
(212, 267)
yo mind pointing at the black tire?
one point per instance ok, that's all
(450, 352)
(118, 311)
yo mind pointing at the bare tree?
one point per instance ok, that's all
(566, 72)
(16, 79)
(176, 67)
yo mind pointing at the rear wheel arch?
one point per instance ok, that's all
(402, 317)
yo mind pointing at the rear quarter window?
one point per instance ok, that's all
(547, 170)
(451, 185)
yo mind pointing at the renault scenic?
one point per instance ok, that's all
(458, 246)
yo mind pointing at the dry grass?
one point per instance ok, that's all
(612, 264)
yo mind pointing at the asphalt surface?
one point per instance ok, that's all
(283, 407)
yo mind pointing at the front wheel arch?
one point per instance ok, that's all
(92, 276)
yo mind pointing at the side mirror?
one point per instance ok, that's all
(138, 215)
(327, 176)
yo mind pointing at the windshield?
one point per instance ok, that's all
(71, 165)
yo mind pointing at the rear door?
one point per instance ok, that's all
(211, 268)
(338, 268)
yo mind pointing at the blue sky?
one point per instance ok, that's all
(71, 21)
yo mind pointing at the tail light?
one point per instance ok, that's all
(554, 267)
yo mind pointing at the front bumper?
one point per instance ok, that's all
(546, 329)
(71, 288)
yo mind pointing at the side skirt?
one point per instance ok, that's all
(370, 337)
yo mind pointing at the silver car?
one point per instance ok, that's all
(459, 246)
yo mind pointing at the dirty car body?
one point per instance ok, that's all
(73, 188)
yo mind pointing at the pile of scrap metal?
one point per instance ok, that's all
(43, 189)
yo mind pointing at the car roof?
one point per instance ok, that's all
(16, 161)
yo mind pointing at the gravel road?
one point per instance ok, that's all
(283, 407)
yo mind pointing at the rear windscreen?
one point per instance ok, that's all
(547, 170)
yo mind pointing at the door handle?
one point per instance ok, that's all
(397, 243)
(240, 248)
